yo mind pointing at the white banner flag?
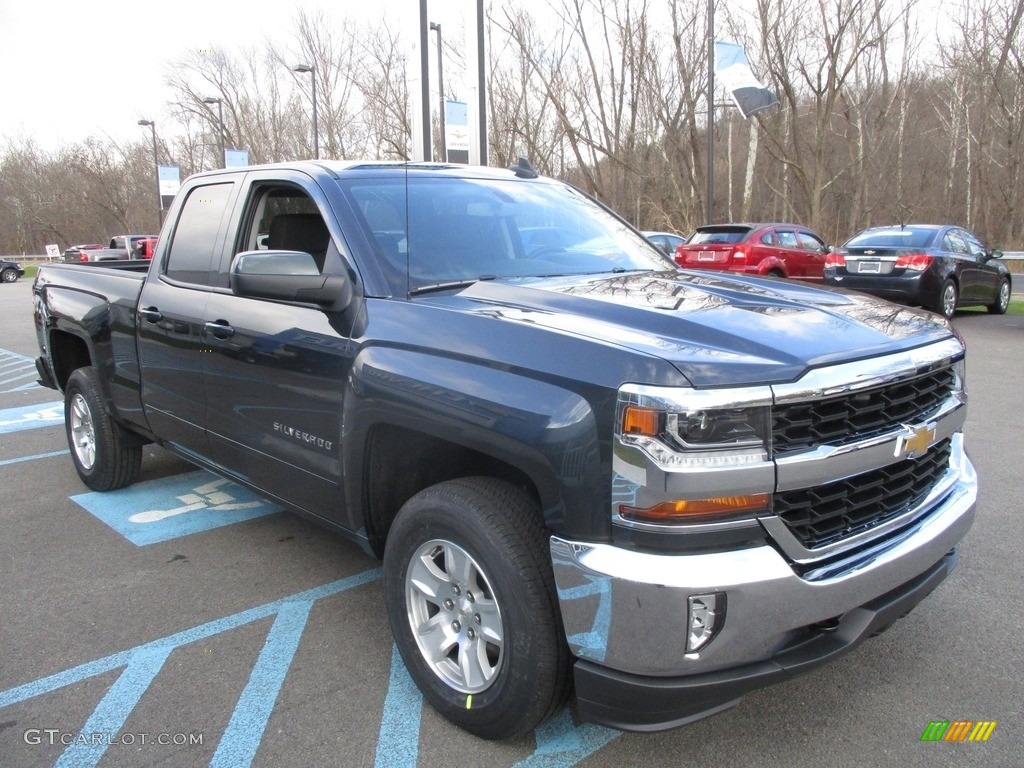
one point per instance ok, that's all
(732, 69)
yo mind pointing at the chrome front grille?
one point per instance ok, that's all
(828, 513)
(857, 416)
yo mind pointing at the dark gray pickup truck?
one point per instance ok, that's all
(587, 472)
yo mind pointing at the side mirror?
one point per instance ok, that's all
(288, 276)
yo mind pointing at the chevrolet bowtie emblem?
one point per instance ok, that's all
(915, 441)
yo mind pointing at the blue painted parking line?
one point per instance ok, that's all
(48, 455)
(31, 417)
(398, 743)
(112, 711)
(142, 663)
(560, 743)
(17, 372)
(160, 510)
(245, 730)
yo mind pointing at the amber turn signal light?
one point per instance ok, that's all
(641, 421)
(697, 510)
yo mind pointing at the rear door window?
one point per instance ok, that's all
(811, 243)
(787, 239)
(954, 242)
(196, 236)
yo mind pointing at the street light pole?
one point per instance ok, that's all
(220, 125)
(156, 168)
(440, 92)
(304, 68)
(709, 204)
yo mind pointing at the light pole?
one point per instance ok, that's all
(156, 168)
(220, 124)
(304, 68)
(440, 92)
(709, 204)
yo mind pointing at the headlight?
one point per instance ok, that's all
(715, 444)
(678, 435)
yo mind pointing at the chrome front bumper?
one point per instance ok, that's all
(626, 610)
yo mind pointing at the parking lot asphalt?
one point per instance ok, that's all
(185, 622)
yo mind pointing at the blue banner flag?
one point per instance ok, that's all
(732, 69)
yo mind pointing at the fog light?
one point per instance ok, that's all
(707, 615)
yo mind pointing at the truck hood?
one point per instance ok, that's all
(717, 330)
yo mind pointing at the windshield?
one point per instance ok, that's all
(456, 230)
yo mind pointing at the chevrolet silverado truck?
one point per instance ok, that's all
(119, 248)
(587, 472)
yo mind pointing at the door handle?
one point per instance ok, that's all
(151, 314)
(219, 329)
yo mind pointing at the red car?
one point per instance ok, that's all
(775, 250)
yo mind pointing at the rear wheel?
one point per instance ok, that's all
(948, 296)
(471, 601)
(100, 448)
(1002, 301)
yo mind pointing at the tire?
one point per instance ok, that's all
(947, 299)
(1002, 301)
(100, 449)
(9, 275)
(471, 600)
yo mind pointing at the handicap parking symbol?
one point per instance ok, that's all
(160, 510)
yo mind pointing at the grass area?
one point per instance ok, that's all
(1016, 308)
(30, 272)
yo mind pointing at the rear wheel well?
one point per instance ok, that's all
(68, 353)
(402, 462)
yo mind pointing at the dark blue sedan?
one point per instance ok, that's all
(940, 267)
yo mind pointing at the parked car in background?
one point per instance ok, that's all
(73, 254)
(10, 271)
(773, 250)
(666, 242)
(941, 267)
(119, 248)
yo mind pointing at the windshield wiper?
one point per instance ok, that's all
(449, 286)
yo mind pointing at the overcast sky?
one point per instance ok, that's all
(73, 69)
(78, 68)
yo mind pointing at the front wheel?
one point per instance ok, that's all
(1002, 302)
(9, 275)
(471, 601)
(948, 296)
(100, 448)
